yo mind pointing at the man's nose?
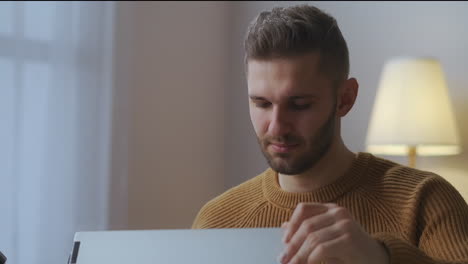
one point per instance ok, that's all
(279, 123)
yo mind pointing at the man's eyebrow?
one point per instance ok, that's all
(294, 97)
(302, 96)
(254, 97)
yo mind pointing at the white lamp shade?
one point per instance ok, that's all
(412, 108)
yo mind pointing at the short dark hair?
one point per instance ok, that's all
(296, 30)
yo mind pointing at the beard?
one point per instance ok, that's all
(295, 163)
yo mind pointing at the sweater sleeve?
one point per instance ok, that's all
(441, 228)
(402, 252)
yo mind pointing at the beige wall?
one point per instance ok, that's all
(173, 68)
(181, 113)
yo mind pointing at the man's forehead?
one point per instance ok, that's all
(264, 80)
(292, 73)
(284, 88)
(306, 64)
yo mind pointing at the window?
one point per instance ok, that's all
(55, 90)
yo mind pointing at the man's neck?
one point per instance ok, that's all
(332, 166)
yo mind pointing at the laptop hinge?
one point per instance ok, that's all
(74, 254)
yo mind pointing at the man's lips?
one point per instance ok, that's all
(283, 148)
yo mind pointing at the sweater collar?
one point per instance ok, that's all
(273, 192)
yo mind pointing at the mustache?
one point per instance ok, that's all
(286, 140)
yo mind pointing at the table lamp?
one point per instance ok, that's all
(412, 113)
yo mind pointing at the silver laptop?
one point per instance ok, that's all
(181, 246)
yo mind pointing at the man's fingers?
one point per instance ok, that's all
(312, 241)
(329, 250)
(302, 212)
(285, 224)
(307, 227)
(332, 261)
(330, 205)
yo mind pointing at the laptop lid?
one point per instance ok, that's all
(182, 246)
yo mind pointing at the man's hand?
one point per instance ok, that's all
(327, 233)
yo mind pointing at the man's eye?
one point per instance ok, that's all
(262, 104)
(300, 106)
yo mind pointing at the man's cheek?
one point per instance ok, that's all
(260, 124)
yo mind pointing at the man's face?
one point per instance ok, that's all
(293, 111)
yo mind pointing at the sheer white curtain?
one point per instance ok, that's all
(55, 120)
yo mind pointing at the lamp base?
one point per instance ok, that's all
(412, 156)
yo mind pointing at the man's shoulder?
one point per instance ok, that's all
(403, 191)
(387, 171)
(226, 209)
(393, 179)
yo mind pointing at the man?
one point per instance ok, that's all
(335, 206)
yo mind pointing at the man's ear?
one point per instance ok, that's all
(347, 94)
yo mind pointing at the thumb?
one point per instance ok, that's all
(285, 224)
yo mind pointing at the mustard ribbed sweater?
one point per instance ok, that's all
(418, 215)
